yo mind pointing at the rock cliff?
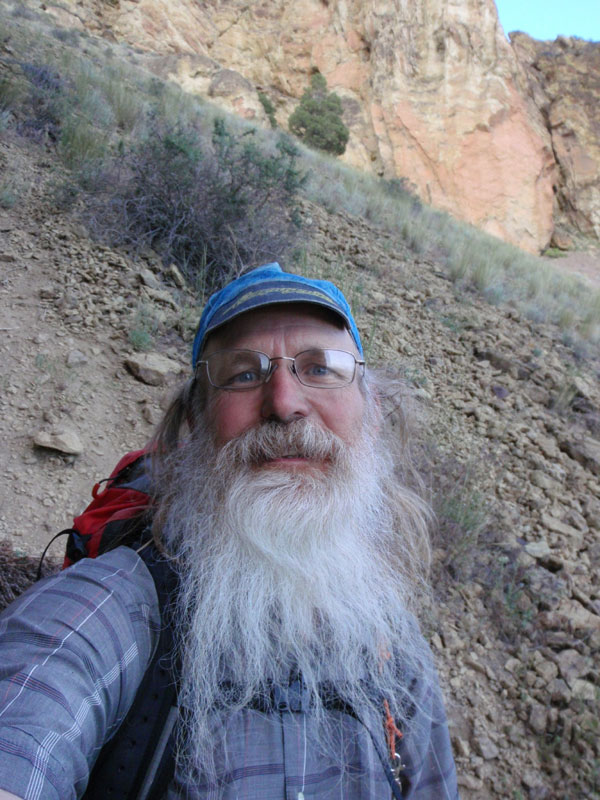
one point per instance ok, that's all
(432, 92)
(564, 81)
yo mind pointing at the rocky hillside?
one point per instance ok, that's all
(432, 91)
(509, 443)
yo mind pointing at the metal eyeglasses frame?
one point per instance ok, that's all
(266, 375)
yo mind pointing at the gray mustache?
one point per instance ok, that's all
(271, 440)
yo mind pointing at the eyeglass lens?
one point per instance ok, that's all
(245, 369)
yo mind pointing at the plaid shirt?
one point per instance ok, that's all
(73, 650)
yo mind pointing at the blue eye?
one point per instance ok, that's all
(325, 368)
(249, 376)
(318, 370)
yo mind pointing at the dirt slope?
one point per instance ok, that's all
(67, 305)
(510, 423)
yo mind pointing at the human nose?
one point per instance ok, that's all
(284, 397)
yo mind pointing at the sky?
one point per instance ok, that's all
(547, 19)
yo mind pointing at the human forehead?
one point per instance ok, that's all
(301, 325)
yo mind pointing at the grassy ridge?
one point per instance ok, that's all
(498, 271)
(94, 102)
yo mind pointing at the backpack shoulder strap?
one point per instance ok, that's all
(139, 761)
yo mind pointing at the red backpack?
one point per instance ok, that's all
(115, 511)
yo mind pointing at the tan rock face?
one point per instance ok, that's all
(432, 90)
(565, 78)
(447, 114)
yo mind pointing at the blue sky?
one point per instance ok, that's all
(546, 19)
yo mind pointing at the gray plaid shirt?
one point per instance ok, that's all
(73, 650)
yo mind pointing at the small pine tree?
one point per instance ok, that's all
(269, 108)
(317, 121)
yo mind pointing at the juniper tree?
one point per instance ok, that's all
(317, 120)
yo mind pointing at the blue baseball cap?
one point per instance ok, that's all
(265, 286)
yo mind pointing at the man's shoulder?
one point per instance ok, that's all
(123, 561)
(118, 576)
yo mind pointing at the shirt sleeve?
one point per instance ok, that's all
(73, 650)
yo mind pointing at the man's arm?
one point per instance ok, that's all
(73, 650)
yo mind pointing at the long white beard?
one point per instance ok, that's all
(286, 571)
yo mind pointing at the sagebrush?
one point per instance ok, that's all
(214, 205)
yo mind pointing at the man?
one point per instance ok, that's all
(299, 558)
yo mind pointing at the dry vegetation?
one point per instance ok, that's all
(101, 113)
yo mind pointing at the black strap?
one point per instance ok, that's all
(66, 532)
(145, 741)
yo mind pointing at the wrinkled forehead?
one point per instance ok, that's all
(314, 325)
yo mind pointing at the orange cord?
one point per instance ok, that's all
(392, 732)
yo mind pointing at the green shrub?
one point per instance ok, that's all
(214, 206)
(317, 120)
(554, 252)
(8, 193)
(269, 108)
(144, 328)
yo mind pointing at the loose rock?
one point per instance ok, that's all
(152, 368)
(76, 358)
(65, 440)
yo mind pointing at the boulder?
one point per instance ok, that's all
(148, 278)
(175, 274)
(152, 368)
(64, 439)
(572, 665)
(539, 549)
(161, 296)
(485, 747)
(76, 358)
(538, 718)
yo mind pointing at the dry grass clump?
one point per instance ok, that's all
(467, 549)
(338, 187)
(462, 515)
(18, 571)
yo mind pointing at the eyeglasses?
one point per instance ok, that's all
(246, 369)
